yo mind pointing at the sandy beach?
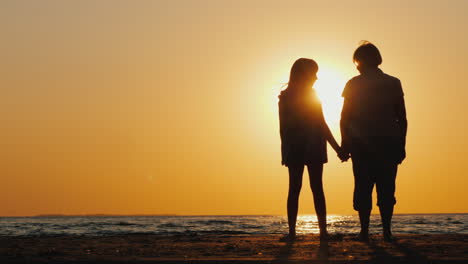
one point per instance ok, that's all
(450, 248)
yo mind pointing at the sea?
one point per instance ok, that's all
(229, 225)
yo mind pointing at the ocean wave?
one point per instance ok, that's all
(250, 226)
(202, 225)
(169, 225)
(212, 222)
(222, 232)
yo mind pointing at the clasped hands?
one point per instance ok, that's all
(343, 154)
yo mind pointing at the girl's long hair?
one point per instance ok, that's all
(300, 75)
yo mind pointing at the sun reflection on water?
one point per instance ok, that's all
(308, 224)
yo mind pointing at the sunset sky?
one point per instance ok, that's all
(170, 107)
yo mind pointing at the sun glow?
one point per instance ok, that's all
(329, 87)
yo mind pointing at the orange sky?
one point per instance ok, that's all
(170, 107)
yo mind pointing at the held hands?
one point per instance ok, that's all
(343, 155)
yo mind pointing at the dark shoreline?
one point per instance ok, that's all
(204, 249)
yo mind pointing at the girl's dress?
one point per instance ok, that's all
(302, 127)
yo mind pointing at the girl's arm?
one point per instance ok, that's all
(328, 134)
(282, 120)
(330, 138)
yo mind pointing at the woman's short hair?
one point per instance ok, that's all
(367, 54)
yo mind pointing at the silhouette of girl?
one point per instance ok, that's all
(304, 134)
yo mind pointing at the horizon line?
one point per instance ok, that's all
(184, 215)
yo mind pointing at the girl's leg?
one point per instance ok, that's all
(315, 176)
(295, 184)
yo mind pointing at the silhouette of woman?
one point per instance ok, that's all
(373, 131)
(304, 134)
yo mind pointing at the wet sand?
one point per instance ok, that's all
(450, 248)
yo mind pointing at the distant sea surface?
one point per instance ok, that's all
(200, 225)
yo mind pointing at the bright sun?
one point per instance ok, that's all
(329, 87)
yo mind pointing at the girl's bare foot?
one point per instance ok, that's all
(288, 238)
(363, 236)
(388, 237)
(324, 236)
